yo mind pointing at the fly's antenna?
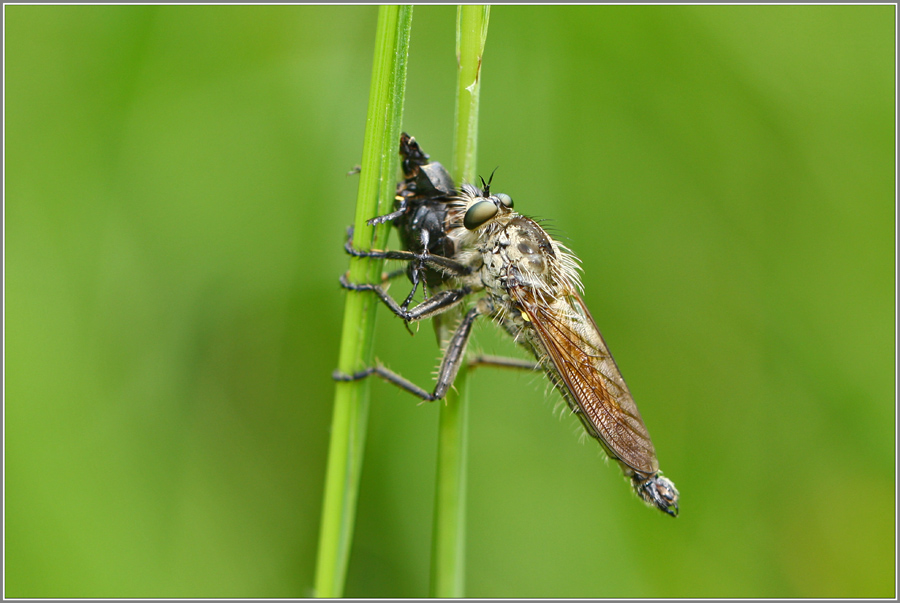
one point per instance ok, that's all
(487, 185)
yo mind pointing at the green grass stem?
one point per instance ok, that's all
(448, 541)
(375, 197)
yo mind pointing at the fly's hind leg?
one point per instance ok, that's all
(504, 362)
(447, 372)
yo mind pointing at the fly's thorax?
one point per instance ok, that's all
(517, 252)
(531, 252)
(490, 225)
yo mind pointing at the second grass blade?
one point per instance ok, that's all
(448, 542)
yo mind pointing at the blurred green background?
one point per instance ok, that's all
(176, 198)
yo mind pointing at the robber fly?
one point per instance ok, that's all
(530, 285)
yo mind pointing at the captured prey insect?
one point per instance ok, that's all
(422, 204)
(530, 285)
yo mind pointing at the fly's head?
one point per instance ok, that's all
(481, 210)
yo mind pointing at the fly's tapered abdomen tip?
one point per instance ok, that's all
(659, 492)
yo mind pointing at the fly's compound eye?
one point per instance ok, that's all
(505, 199)
(479, 213)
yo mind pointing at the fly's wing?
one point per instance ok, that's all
(573, 343)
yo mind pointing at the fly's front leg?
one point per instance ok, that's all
(437, 262)
(446, 374)
(436, 304)
(389, 276)
(431, 306)
(375, 253)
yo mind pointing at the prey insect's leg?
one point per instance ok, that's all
(446, 374)
(415, 272)
(391, 216)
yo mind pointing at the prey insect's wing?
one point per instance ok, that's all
(585, 371)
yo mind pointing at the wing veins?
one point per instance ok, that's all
(620, 427)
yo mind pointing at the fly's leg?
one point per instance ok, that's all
(503, 362)
(389, 376)
(421, 261)
(436, 304)
(437, 262)
(446, 374)
(413, 274)
(389, 276)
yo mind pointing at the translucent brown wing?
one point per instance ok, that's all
(593, 385)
